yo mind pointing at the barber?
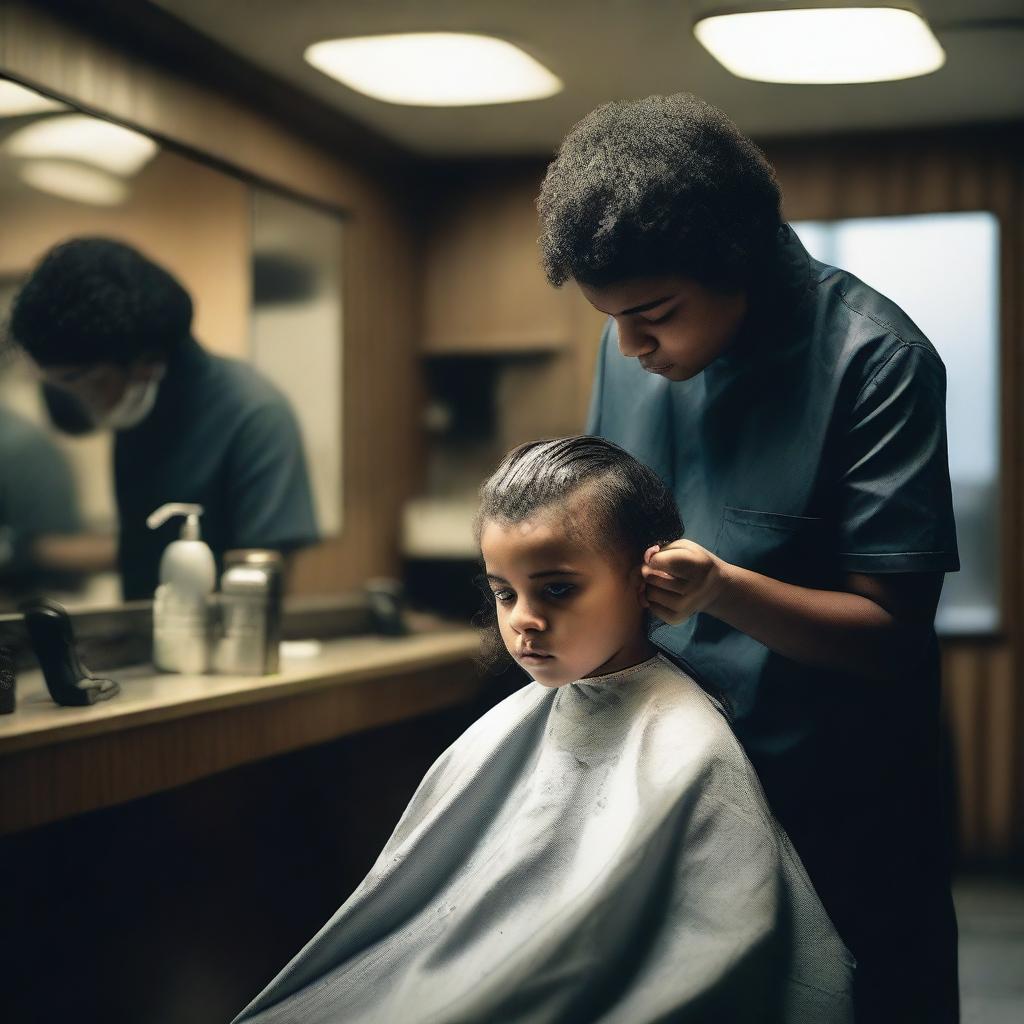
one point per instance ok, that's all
(799, 416)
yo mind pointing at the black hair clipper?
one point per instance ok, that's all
(69, 682)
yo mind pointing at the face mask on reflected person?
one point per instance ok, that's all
(133, 407)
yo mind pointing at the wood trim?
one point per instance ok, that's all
(962, 705)
(1000, 755)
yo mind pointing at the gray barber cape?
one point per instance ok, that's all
(600, 852)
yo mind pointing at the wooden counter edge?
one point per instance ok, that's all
(391, 657)
(43, 784)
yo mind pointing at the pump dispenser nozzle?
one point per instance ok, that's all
(187, 563)
(190, 530)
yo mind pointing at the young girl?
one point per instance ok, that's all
(596, 848)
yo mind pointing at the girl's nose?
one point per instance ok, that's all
(634, 341)
(526, 619)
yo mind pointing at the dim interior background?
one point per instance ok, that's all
(433, 345)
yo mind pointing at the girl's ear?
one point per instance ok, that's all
(638, 586)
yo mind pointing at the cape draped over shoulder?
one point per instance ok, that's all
(600, 853)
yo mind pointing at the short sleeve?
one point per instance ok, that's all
(270, 495)
(895, 502)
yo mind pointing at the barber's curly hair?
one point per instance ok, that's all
(662, 185)
(625, 507)
(97, 300)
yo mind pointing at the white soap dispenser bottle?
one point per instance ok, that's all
(181, 609)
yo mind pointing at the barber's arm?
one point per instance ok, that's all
(75, 552)
(895, 540)
(876, 627)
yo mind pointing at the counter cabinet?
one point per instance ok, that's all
(163, 730)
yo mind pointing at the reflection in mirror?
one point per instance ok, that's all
(171, 334)
(296, 325)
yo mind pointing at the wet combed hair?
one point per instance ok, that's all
(600, 492)
(662, 185)
(96, 300)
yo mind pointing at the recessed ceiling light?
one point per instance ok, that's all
(83, 138)
(821, 45)
(77, 182)
(16, 100)
(434, 69)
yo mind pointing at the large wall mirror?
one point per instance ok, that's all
(263, 271)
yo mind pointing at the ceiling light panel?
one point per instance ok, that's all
(820, 46)
(434, 69)
(16, 100)
(87, 139)
(77, 182)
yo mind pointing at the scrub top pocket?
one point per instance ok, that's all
(793, 549)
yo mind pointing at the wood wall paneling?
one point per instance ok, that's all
(484, 292)
(484, 289)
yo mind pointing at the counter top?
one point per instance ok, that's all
(149, 696)
(163, 730)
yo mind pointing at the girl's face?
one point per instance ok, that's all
(565, 611)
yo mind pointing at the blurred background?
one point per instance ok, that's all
(395, 240)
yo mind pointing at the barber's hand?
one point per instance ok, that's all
(682, 579)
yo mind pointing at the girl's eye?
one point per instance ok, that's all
(559, 589)
(502, 595)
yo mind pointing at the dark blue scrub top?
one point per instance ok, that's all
(815, 446)
(220, 435)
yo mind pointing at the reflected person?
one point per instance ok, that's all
(111, 333)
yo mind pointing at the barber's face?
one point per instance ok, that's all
(673, 325)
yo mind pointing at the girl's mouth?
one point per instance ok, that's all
(534, 656)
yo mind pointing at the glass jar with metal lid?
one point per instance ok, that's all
(251, 593)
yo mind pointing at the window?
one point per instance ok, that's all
(943, 271)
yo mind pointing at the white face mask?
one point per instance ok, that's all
(133, 407)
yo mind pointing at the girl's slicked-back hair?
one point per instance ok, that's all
(662, 185)
(98, 300)
(600, 493)
(627, 506)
